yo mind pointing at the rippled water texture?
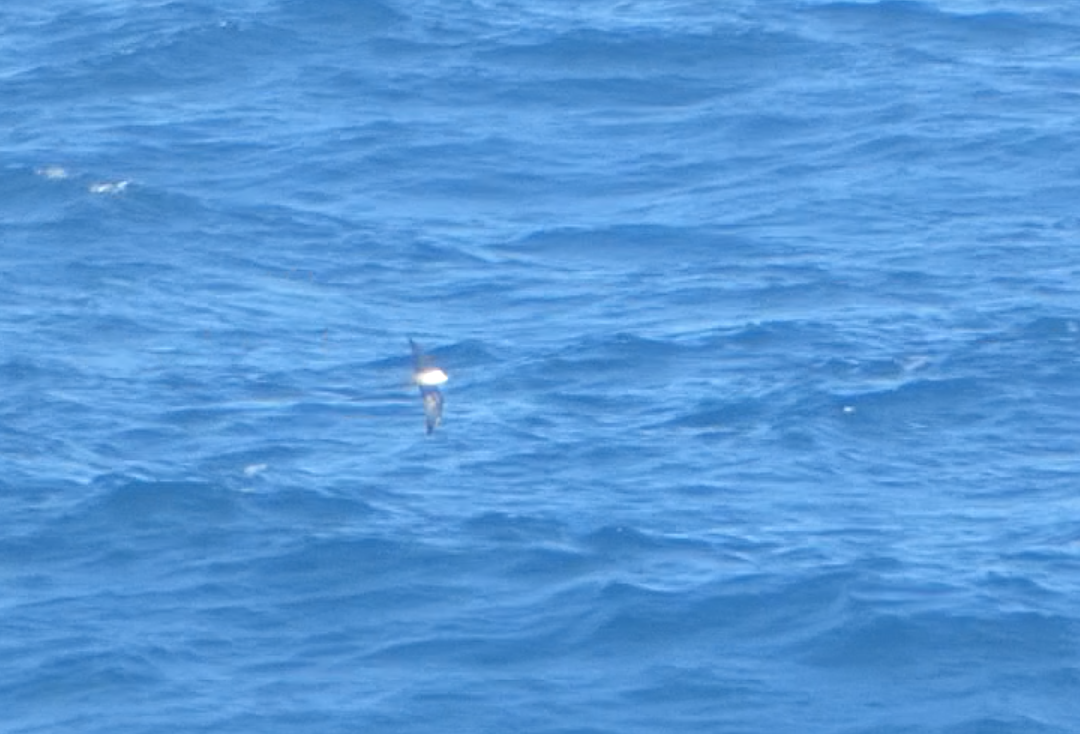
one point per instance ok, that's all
(761, 326)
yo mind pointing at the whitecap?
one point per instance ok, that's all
(108, 187)
(52, 172)
(252, 469)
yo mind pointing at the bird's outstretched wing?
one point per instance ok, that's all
(420, 360)
(433, 405)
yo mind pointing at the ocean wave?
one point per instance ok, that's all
(760, 327)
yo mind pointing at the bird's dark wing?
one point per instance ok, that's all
(419, 358)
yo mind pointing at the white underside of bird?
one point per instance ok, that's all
(430, 377)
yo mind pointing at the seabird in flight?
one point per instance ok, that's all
(428, 378)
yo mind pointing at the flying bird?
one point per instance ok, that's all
(428, 377)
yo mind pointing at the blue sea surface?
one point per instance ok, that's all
(762, 324)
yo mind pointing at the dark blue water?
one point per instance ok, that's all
(762, 326)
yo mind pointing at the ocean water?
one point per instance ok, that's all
(762, 323)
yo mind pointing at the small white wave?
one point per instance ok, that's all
(108, 187)
(915, 362)
(52, 172)
(252, 469)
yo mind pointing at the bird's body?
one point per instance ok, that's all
(428, 378)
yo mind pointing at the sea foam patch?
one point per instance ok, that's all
(108, 187)
(52, 172)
